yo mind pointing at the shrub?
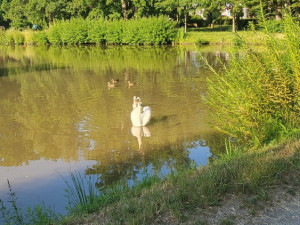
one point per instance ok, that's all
(155, 30)
(53, 33)
(97, 32)
(39, 38)
(74, 31)
(3, 37)
(14, 37)
(114, 32)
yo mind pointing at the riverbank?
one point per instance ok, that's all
(226, 37)
(70, 33)
(237, 181)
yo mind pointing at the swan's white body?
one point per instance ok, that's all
(140, 116)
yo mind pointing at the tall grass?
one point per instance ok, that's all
(81, 195)
(256, 99)
(12, 214)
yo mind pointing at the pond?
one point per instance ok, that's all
(58, 116)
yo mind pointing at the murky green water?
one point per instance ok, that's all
(58, 115)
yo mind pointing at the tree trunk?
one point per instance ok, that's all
(269, 9)
(185, 22)
(278, 15)
(124, 9)
(233, 23)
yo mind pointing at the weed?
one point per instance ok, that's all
(13, 215)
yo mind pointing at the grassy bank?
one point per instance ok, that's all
(226, 36)
(250, 173)
(151, 31)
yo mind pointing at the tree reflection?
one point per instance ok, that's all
(54, 104)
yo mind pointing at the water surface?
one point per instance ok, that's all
(58, 115)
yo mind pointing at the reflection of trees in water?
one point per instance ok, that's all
(42, 106)
(172, 156)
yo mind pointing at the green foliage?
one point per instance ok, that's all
(39, 38)
(3, 37)
(257, 97)
(14, 37)
(19, 38)
(238, 41)
(73, 31)
(81, 199)
(181, 35)
(155, 30)
(40, 215)
(97, 31)
(53, 33)
(273, 26)
(201, 41)
(13, 214)
(114, 32)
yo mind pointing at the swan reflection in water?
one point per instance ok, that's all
(140, 117)
(140, 132)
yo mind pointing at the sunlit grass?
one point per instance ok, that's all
(256, 97)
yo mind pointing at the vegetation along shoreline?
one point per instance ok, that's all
(255, 101)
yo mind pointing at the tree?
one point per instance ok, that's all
(176, 9)
(14, 11)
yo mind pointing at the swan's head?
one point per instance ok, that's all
(140, 105)
(137, 100)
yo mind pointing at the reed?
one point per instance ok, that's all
(82, 195)
(256, 99)
(12, 214)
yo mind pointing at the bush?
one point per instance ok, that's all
(257, 99)
(14, 37)
(198, 20)
(53, 33)
(39, 38)
(3, 37)
(97, 32)
(155, 30)
(114, 32)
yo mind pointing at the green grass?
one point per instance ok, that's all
(251, 173)
(225, 36)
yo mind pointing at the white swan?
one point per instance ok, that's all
(135, 102)
(140, 115)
